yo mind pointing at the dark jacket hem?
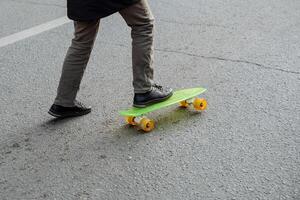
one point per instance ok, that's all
(90, 10)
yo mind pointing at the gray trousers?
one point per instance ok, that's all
(141, 21)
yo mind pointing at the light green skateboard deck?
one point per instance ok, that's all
(186, 97)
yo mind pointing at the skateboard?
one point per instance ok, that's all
(185, 98)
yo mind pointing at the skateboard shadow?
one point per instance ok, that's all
(165, 121)
(175, 118)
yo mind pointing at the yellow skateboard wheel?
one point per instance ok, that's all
(184, 104)
(130, 120)
(200, 104)
(147, 125)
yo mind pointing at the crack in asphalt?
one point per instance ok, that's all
(216, 58)
(36, 3)
(230, 60)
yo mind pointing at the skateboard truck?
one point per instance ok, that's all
(143, 122)
(198, 103)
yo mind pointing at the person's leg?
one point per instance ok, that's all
(140, 18)
(75, 62)
(65, 104)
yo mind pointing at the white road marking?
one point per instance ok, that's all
(33, 31)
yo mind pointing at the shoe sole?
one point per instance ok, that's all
(149, 103)
(68, 115)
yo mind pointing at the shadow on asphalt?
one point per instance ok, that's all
(125, 139)
(165, 121)
(58, 121)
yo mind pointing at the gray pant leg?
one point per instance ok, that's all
(75, 62)
(140, 18)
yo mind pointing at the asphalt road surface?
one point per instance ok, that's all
(246, 145)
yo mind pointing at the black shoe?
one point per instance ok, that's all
(155, 95)
(62, 112)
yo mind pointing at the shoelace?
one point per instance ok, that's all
(80, 104)
(158, 86)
